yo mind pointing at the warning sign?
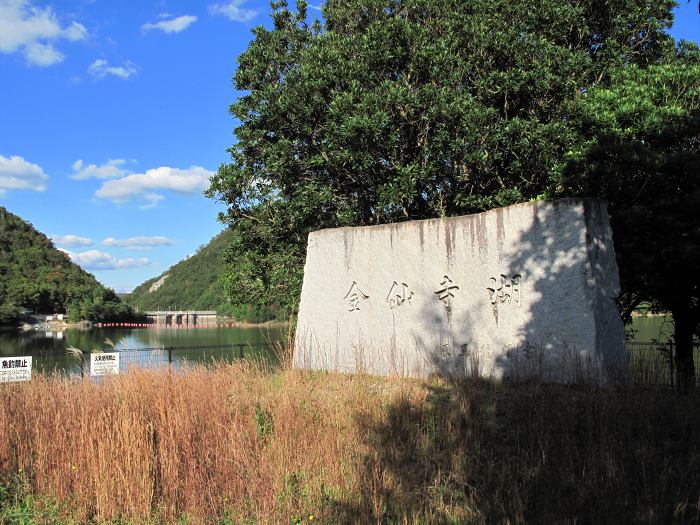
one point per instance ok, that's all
(15, 369)
(104, 363)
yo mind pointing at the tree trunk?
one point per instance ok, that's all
(684, 328)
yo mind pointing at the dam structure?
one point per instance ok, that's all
(182, 317)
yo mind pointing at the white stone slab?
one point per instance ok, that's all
(525, 290)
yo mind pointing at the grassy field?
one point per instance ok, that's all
(238, 444)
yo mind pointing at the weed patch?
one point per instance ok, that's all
(241, 445)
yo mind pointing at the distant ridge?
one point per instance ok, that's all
(36, 276)
(192, 284)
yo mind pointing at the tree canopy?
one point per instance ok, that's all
(392, 110)
(641, 150)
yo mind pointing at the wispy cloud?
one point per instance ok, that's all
(33, 31)
(173, 25)
(100, 69)
(152, 200)
(111, 169)
(97, 260)
(233, 11)
(138, 243)
(144, 185)
(70, 240)
(18, 174)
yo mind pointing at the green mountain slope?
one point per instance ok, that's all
(34, 275)
(191, 284)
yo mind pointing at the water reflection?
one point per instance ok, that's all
(49, 348)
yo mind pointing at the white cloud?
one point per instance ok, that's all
(152, 200)
(138, 243)
(32, 31)
(109, 170)
(71, 240)
(233, 11)
(18, 174)
(97, 260)
(174, 25)
(100, 69)
(135, 185)
(75, 32)
(43, 55)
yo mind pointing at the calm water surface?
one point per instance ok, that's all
(651, 328)
(49, 348)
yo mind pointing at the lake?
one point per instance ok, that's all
(163, 344)
(148, 347)
(651, 328)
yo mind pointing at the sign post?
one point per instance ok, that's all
(15, 369)
(104, 363)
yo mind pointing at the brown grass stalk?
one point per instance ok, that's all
(240, 444)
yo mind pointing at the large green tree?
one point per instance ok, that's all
(392, 110)
(641, 150)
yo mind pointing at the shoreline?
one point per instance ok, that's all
(245, 324)
(60, 326)
(649, 314)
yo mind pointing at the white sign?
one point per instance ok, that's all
(104, 363)
(15, 369)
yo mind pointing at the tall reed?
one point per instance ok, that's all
(241, 444)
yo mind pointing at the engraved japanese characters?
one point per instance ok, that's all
(354, 297)
(447, 291)
(505, 289)
(399, 294)
(502, 290)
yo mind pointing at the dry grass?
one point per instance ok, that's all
(238, 444)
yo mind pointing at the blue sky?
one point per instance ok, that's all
(112, 119)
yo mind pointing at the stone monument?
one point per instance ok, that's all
(527, 290)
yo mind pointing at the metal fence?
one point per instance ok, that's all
(651, 363)
(155, 357)
(158, 357)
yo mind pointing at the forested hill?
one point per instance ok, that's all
(36, 276)
(191, 284)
